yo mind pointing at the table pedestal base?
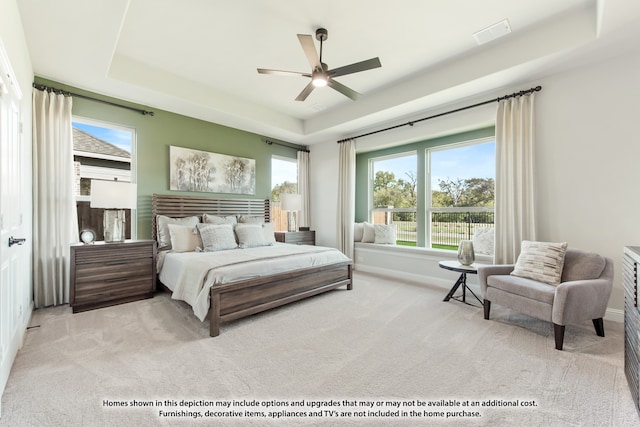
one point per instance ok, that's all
(461, 282)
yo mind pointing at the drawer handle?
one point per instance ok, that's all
(116, 279)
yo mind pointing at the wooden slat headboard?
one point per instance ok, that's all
(181, 206)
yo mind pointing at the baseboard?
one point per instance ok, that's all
(614, 315)
(420, 279)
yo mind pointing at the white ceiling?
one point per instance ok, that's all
(199, 58)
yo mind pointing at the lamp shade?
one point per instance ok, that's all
(113, 194)
(291, 202)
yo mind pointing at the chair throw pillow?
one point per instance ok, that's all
(541, 261)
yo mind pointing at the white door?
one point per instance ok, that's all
(15, 223)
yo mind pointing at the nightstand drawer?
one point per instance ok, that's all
(110, 272)
(107, 290)
(296, 237)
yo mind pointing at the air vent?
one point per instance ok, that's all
(493, 32)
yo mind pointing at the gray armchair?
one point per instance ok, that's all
(587, 279)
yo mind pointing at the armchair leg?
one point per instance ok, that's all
(487, 308)
(599, 325)
(559, 333)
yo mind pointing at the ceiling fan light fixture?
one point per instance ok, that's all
(319, 79)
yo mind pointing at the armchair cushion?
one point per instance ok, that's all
(541, 261)
(527, 288)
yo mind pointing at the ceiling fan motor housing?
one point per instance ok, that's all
(322, 34)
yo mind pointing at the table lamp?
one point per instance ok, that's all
(291, 203)
(114, 197)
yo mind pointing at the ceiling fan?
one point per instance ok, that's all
(320, 74)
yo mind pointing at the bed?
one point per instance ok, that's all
(279, 274)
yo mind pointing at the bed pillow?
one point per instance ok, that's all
(250, 219)
(368, 233)
(269, 233)
(218, 219)
(217, 237)
(162, 229)
(250, 235)
(541, 261)
(385, 234)
(184, 238)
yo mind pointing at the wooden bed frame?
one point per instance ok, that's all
(235, 300)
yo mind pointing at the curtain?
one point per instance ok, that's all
(515, 210)
(55, 218)
(303, 188)
(346, 196)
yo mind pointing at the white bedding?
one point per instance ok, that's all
(190, 274)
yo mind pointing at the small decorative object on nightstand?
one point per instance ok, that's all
(105, 274)
(296, 237)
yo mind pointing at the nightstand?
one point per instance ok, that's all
(104, 274)
(296, 237)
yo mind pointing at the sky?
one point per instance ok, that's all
(467, 161)
(283, 170)
(117, 137)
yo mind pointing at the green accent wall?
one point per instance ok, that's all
(420, 147)
(156, 133)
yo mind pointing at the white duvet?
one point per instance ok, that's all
(190, 274)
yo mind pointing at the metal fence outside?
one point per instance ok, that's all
(448, 225)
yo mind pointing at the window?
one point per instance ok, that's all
(101, 151)
(284, 179)
(437, 192)
(462, 189)
(393, 194)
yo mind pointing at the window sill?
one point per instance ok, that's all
(417, 252)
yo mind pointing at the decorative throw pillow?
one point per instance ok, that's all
(269, 233)
(250, 219)
(162, 229)
(385, 234)
(217, 237)
(184, 238)
(368, 233)
(541, 261)
(358, 231)
(250, 235)
(483, 240)
(217, 219)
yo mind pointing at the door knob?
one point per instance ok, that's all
(14, 241)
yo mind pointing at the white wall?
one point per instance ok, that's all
(587, 166)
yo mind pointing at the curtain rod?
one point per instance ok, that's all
(411, 123)
(67, 93)
(294, 146)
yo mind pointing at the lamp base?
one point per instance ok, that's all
(291, 222)
(114, 229)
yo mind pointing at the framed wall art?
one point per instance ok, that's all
(203, 171)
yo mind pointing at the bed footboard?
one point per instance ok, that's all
(235, 300)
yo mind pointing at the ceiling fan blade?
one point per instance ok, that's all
(349, 93)
(305, 92)
(282, 73)
(309, 50)
(355, 68)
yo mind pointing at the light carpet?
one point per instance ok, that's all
(384, 343)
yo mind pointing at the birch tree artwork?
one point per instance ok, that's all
(202, 171)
